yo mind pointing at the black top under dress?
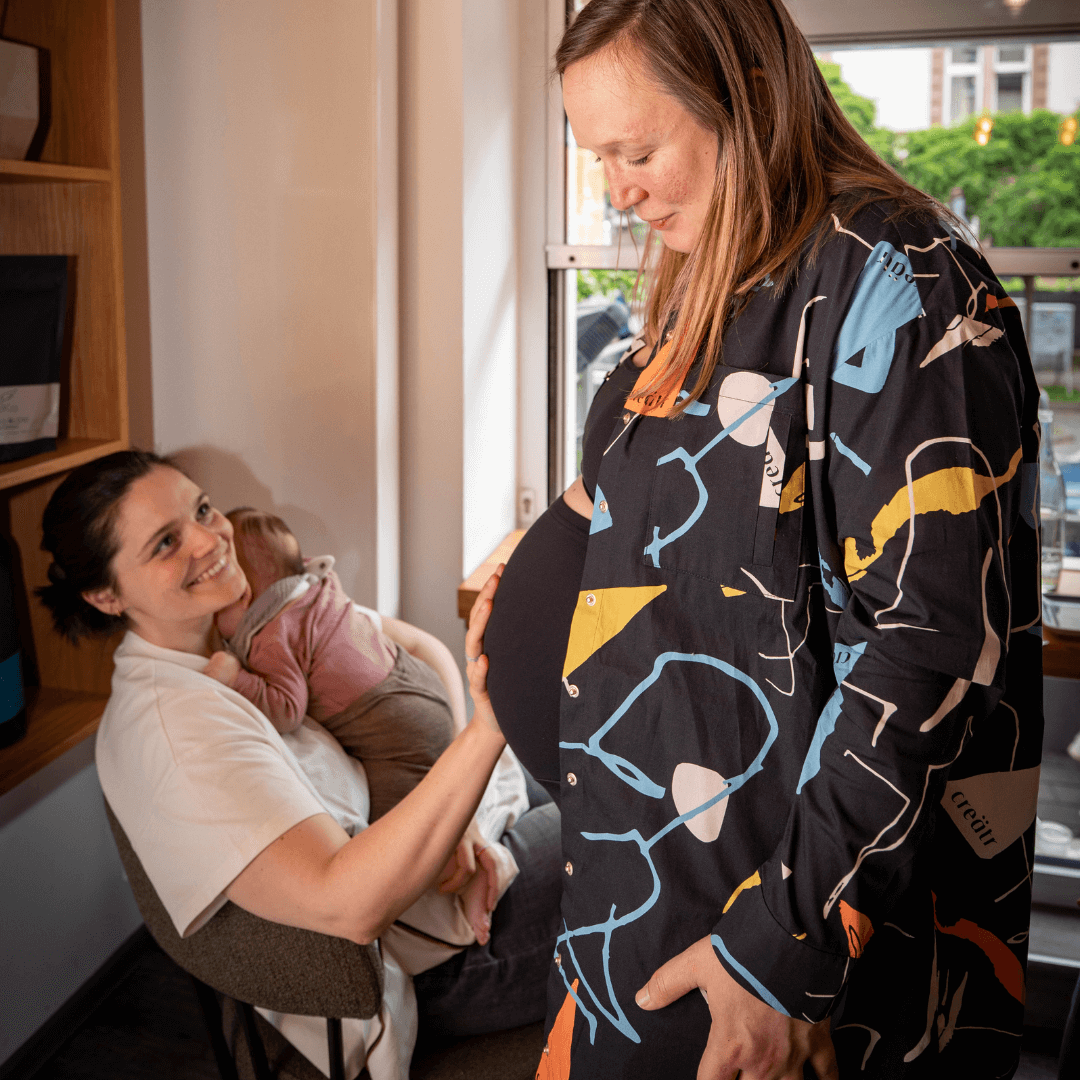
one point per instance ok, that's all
(530, 622)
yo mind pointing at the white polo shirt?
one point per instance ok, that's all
(202, 782)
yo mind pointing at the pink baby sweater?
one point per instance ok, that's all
(314, 658)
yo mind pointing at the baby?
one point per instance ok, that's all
(308, 650)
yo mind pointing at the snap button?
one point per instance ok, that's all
(569, 868)
(603, 506)
(590, 599)
(572, 690)
(558, 960)
(546, 1048)
(571, 779)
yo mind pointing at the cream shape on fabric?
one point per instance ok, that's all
(739, 393)
(691, 786)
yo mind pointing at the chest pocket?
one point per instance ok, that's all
(727, 495)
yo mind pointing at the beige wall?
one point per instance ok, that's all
(260, 136)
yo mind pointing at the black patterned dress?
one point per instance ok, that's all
(801, 703)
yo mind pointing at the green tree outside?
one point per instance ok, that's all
(1023, 185)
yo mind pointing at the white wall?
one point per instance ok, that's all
(261, 208)
(65, 906)
(473, 289)
(896, 80)
(1063, 93)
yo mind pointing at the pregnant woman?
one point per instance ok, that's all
(789, 675)
(219, 806)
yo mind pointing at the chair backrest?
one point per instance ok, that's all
(264, 963)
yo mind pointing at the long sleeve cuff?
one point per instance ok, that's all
(773, 963)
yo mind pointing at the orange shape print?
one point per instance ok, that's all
(555, 1060)
(652, 395)
(859, 929)
(1007, 968)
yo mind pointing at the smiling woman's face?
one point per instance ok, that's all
(176, 564)
(656, 156)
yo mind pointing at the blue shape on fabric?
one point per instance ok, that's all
(759, 988)
(600, 520)
(850, 454)
(835, 588)
(844, 659)
(1029, 491)
(690, 464)
(11, 687)
(695, 408)
(885, 298)
(632, 775)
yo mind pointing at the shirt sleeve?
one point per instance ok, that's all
(275, 681)
(916, 493)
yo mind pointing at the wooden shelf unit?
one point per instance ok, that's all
(67, 204)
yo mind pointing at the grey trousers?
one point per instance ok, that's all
(503, 984)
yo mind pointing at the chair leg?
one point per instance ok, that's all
(211, 1011)
(336, 1049)
(255, 1043)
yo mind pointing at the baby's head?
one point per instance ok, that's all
(265, 548)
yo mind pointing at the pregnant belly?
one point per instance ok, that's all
(527, 634)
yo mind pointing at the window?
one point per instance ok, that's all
(1010, 92)
(915, 103)
(962, 99)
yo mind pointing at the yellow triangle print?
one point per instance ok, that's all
(727, 590)
(600, 615)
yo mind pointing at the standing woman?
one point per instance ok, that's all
(800, 709)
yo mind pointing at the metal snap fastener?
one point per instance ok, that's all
(603, 506)
(590, 599)
(569, 868)
(558, 960)
(571, 779)
(572, 690)
(546, 1048)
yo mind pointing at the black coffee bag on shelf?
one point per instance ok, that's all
(12, 701)
(33, 314)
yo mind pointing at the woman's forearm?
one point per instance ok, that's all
(316, 878)
(399, 856)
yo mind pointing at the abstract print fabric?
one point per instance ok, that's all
(802, 690)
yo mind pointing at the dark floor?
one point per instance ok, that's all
(149, 1027)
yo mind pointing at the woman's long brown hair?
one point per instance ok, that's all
(788, 157)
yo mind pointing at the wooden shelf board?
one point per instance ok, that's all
(36, 172)
(68, 454)
(468, 589)
(57, 720)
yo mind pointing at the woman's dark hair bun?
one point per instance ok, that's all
(78, 531)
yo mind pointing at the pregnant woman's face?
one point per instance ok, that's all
(657, 158)
(176, 564)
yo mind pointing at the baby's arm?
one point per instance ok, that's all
(276, 683)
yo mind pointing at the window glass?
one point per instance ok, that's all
(1012, 54)
(962, 101)
(966, 54)
(603, 327)
(1010, 92)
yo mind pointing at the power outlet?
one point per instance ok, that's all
(526, 507)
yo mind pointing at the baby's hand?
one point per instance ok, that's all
(224, 667)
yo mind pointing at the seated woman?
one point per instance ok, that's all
(220, 806)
